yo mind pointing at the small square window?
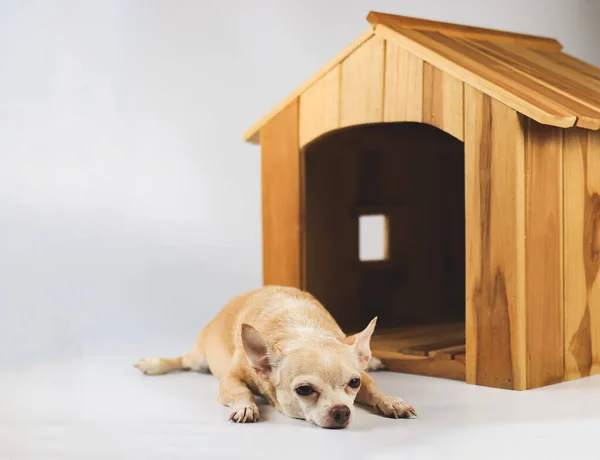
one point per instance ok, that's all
(373, 237)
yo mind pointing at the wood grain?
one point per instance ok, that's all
(544, 255)
(320, 107)
(541, 93)
(461, 358)
(448, 352)
(403, 97)
(252, 134)
(482, 73)
(573, 93)
(548, 70)
(577, 65)
(453, 369)
(362, 84)
(495, 264)
(435, 347)
(457, 30)
(443, 101)
(582, 253)
(281, 200)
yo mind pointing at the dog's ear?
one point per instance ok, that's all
(361, 343)
(257, 350)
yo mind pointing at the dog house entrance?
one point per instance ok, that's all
(385, 236)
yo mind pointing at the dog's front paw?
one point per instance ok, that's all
(245, 414)
(392, 406)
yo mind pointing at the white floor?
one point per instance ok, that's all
(101, 407)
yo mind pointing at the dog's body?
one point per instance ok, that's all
(282, 344)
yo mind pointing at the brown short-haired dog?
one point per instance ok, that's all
(282, 344)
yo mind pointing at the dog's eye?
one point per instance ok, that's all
(354, 383)
(305, 390)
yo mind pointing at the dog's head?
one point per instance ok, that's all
(316, 378)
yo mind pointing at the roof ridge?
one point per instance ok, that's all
(457, 30)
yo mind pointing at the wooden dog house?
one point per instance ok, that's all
(480, 152)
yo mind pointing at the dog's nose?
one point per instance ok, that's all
(340, 414)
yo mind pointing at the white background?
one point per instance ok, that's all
(129, 204)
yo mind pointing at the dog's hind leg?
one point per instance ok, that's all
(194, 360)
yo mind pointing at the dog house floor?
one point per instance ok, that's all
(435, 350)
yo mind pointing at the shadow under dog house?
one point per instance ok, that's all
(478, 152)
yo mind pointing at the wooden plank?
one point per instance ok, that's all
(362, 84)
(431, 346)
(416, 351)
(480, 72)
(448, 352)
(544, 238)
(462, 358)
(421, 365)
(520, 83)
(581, 253)
(403, 85)
(582, 67)
(281, 200)
(456, 30)
(420, 339)
(252, 133)
(495, 265)
(549, 69)
(576, 95)
(443, 101)
(320, 107)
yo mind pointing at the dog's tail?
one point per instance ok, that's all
(194, 360)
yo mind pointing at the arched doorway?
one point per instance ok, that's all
(407, 179)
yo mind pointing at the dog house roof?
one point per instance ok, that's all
(528, 73)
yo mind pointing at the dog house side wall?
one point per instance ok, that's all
(544, 259)
(562, 253)
(514, 233)
(582, 252)
(494, 233)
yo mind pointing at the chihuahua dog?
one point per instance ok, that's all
(282, 344)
